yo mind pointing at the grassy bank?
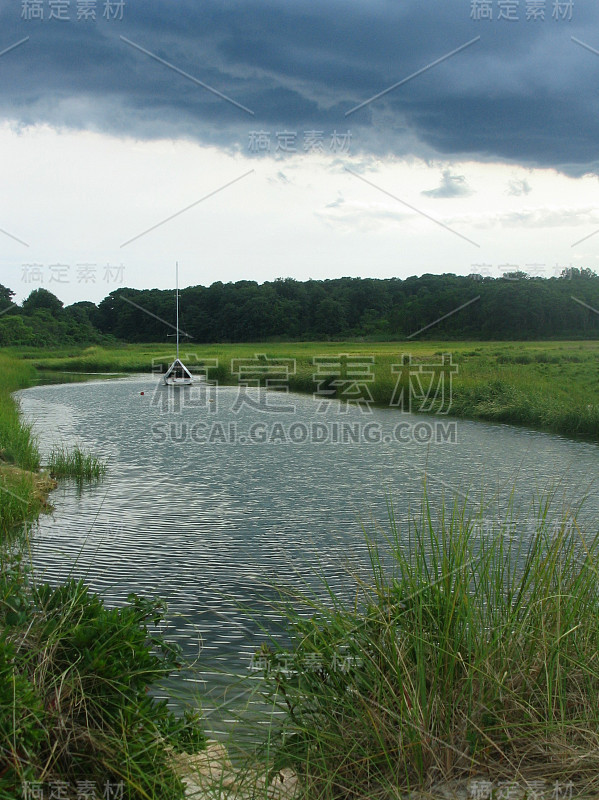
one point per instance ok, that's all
(23, 489)
(76, 678)
(22, 492)
(17, 444)
(74, 702)
(551, 386)
(463, 659)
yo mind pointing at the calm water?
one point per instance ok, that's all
(201, 518)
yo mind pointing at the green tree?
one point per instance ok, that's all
(14, 331)
(6, 295)
(42, 299)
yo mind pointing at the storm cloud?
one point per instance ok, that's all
(216, 72)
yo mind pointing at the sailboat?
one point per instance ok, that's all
(178, 374)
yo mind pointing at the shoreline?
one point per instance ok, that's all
(544, 386)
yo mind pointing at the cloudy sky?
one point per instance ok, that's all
(256, 140)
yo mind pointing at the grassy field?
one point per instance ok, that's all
(17, 443)
(552, 386)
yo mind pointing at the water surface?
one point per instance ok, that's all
(203, 521)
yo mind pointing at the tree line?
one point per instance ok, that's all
(514, 306)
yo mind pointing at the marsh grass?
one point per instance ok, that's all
(17, 442)
(22, 497)
(552, 386)
(64, 462)
(462, 655)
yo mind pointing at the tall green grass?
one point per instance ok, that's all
(17, 443)
(464, 654)
(20, 497)
(64, 462)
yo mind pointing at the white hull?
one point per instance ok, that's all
(178, 381)
(178, 374)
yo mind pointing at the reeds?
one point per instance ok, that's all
(64, 462)
(20, 496)
(467, 653)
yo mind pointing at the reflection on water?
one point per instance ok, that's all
(47, 377)
(205, 523)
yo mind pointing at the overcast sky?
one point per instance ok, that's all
(256, 140)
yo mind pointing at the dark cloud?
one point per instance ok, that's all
(524, 93)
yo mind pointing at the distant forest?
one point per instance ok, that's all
(515, 306)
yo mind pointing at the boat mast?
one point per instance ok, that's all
(177, 293)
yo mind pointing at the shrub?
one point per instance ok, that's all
(79, 705)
